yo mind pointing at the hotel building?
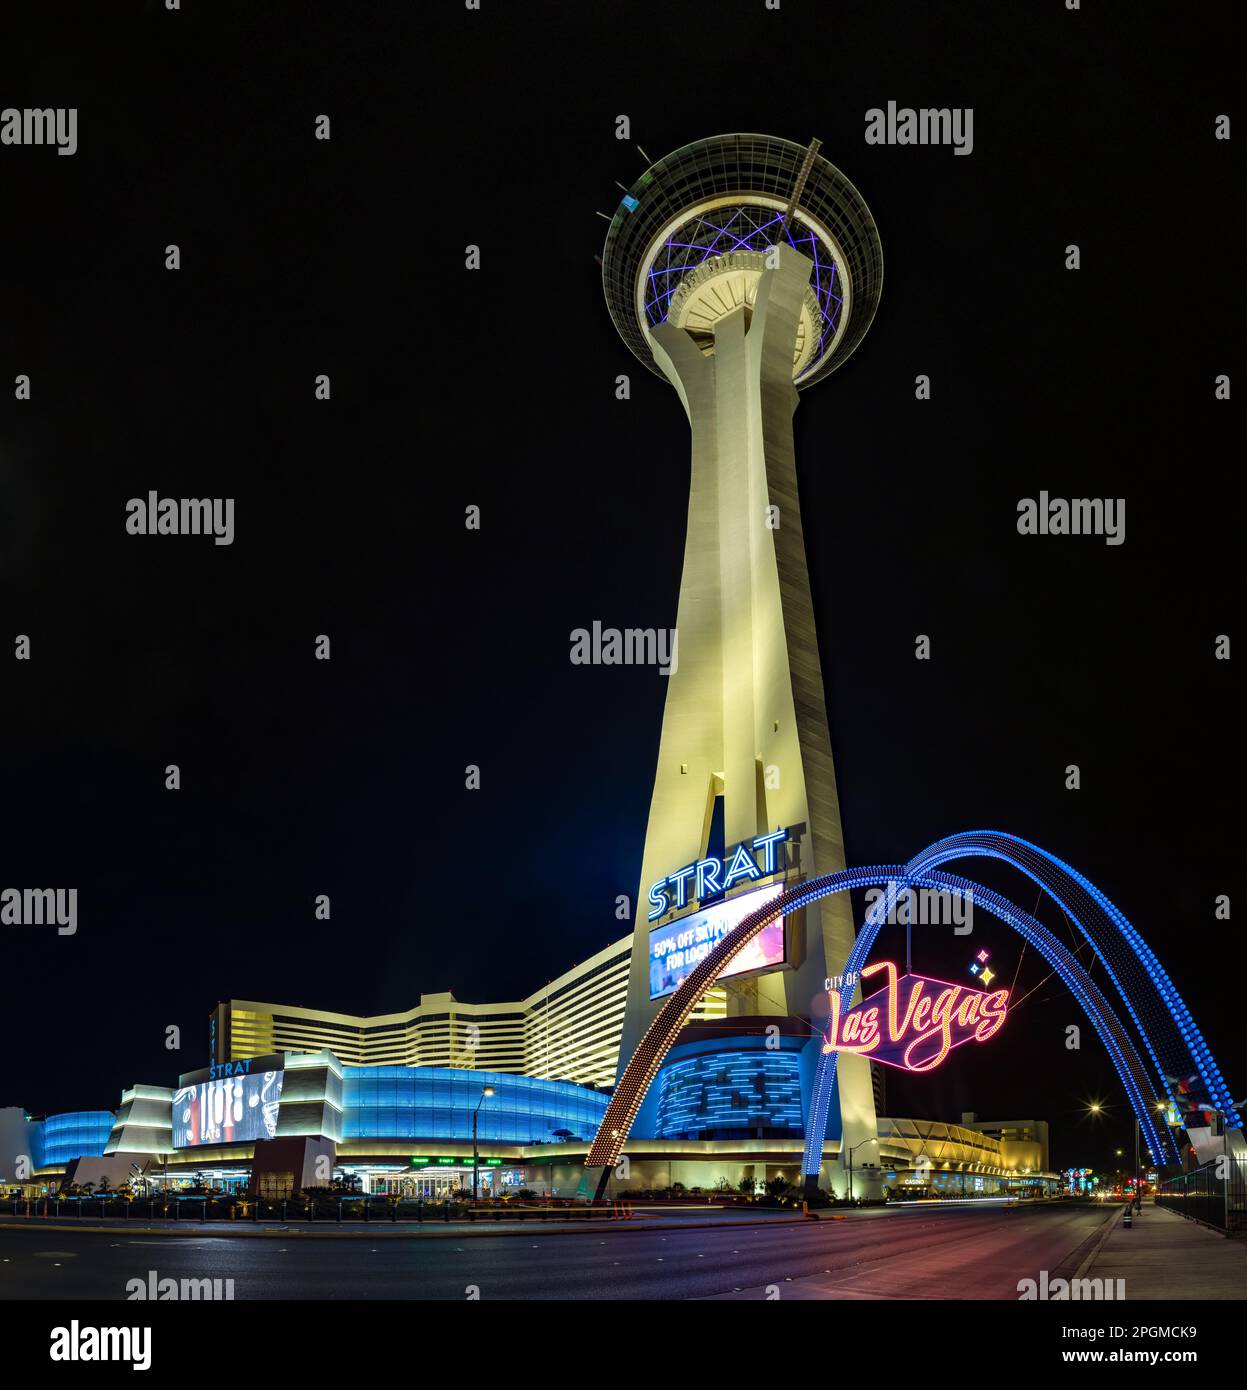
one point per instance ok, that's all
(391, 1099)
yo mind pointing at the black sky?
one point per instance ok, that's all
(497, 388)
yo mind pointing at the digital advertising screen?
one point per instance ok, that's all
(676, 948)
(228, 1111)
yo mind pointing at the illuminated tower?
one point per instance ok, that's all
(744, 268)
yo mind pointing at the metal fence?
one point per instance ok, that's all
(200, 1209)
(372, 1209)
(1215, 1194)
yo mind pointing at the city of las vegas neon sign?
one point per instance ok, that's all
(707, 878)
(914, 1022)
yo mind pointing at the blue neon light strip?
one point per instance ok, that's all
(1107, 1026)
(1169, 1033)
(717, 1092)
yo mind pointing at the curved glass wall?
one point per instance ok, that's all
(57, 1139)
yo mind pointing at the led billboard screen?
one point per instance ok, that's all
(228, 1111)
(676, 948)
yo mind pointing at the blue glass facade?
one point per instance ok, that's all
(437, 1103)
(57, 1139)
(741, 1094)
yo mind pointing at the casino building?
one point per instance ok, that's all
(393, 1099)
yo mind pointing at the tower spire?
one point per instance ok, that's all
(802, 174)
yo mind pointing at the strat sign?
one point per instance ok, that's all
(676, 948)
(915, 1022)
(749, 861)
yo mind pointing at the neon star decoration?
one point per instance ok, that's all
(979, 967)
(914, 1022)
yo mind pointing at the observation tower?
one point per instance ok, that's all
(743, 269)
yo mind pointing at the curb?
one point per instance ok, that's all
(647, 1226)
(1100, 1241)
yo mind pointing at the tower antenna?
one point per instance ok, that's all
(802, 174)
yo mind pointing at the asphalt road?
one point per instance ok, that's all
(971, 1252)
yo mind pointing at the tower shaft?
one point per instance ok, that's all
(745, 713)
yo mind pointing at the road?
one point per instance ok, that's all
(964, 1252)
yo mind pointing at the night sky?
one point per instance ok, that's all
(497, 388)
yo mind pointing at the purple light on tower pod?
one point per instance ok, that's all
(745, 227)
(743, 195)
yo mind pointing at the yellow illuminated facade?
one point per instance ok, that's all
(569, 1030)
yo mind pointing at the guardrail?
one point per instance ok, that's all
(253, 1210)
(1214, 1194)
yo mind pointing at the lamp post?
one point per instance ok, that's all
(1096, 1108)
(852, 1151)
(1138, 1195)
(1160, 1111)
(476, 1157)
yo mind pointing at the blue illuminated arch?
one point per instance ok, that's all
(646, 1061)
(1173, 1041)
(1108, 1026)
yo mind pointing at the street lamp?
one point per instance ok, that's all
(852, 1151)
(476, 1157)
(1096, 1108)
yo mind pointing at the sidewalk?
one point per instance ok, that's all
(1165, 1256)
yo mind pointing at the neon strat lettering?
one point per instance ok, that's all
(914, 1022)
(712, 876)
(239, 1068)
